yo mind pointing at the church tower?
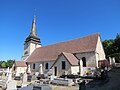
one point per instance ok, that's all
(32, 41)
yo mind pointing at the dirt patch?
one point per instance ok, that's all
(55, 87)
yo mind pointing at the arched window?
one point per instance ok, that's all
(46, 66)
(84, 61)
(26, 52)
(34, 66)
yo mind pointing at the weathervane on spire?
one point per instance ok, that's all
(34, 12)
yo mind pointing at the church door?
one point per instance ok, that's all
(55, 71)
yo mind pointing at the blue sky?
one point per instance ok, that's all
(57, 20)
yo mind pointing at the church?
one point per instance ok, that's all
(72, 56)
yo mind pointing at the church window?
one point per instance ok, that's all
(26, 53)
(46, 66)
(84, 61)
(26, 46)
(63, 65)
(34, 66)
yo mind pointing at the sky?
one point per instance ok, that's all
(57, 21)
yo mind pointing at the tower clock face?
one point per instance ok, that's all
(26, 46)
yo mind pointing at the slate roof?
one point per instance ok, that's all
(51, 52)
(20, 64)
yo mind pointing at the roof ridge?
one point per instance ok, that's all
(98, 33)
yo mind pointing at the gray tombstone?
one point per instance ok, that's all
(34, 77)
(11, 85)
(37, 87)
(26, 88)
(42, 87)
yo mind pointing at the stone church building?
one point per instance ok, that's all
(62, 57)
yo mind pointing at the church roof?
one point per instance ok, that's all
(71, 58)
(20, 64)
(51, 52)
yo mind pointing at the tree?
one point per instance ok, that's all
(9, 63)
(117, 43)
(3, 65)
(107, 45)
(112, 47)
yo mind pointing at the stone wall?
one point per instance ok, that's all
(90, 58)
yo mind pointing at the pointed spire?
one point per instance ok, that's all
(33, 34)
(33, 29)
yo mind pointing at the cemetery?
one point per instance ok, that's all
(89, 81)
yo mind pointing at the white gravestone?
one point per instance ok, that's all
(37, 87)
(17, 74)
(110, 60)
(81, 68)
(40, 69)
(8, 69)
(24, 80)
(28, 71)
(11, 85)
(10, 75)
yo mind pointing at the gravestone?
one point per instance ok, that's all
(3, 76)
(40, 69)
(37, 87)
(24, 80)
(3, 84)
(26, 88)
(8, 70)
(11, 85)
(42, 87)
(28, 70)
(36, 73)
(34, 77)
(9, 75)
(81, 68)
(62, 81)
(17, 74)
(52, 77)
